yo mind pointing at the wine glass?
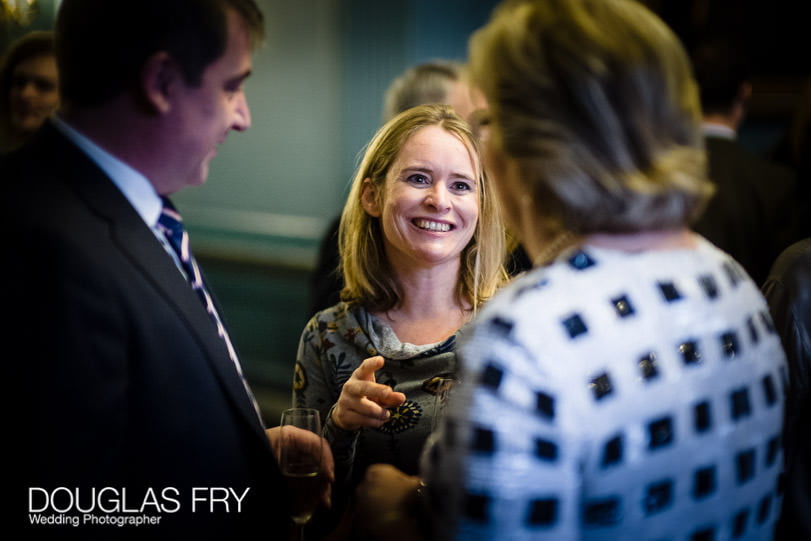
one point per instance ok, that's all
(300, 462)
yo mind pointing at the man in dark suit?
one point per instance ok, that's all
(753, 215)
(132, 403)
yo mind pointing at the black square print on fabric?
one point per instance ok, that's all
(689, 352)
(658, 496)
(580, 260)
(745, 466)
(622, 306)
(575, 326)
(612, 452)
(660, 433)
(649, 367)
(602, 512)
(739, 523)
(545, 405)
(543, 512)
(601, 386)
(484, 441)
(546, 450)
(709, 286)
(739, 403)
(501, 326)
(702, 418)
(703, 482)
(669, 291)
(769, 390)
(730, 345)
(491, 376)
(476, 507)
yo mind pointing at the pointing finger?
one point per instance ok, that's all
(366, 370)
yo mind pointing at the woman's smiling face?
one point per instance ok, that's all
(430, 201)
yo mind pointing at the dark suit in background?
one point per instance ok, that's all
(753, 213)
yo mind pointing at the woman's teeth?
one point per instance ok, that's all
(432, 226)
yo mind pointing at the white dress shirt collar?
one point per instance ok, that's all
(135, 186)
(712, 129)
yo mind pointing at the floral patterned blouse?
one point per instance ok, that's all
(334, 343)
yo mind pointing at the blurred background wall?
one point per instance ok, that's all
(316, 97)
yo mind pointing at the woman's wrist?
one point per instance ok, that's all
(336, 422)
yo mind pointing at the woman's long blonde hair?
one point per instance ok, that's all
(368, 277)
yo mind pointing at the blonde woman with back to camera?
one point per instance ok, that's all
(630, 386)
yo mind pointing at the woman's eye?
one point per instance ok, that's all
(418, 179)
(461, 186)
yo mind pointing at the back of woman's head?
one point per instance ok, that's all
(366, 271)
(595, 102)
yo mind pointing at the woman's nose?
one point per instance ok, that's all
(438, 197)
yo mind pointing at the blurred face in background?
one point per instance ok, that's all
(34, 93)
(465, 99)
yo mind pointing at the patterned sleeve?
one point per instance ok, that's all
(503, 439)
(311, 388)
(315, 386)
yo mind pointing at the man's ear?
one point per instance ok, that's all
(158, 80)
(368, 198)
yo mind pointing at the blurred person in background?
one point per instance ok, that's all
(28, 88)
(753, 215)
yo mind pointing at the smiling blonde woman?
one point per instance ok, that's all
(422, 247)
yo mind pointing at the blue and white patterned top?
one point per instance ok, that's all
(615, 396)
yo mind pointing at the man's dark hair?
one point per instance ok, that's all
(101, 45)
(720, 68)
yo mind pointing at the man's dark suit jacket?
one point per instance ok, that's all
(123, 380)
(753, 215)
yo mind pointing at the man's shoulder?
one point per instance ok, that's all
(732, 157)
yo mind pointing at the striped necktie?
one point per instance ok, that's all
(171, 225)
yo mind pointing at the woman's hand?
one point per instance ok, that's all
(363, 401)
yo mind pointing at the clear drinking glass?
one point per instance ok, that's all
(300, 462)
